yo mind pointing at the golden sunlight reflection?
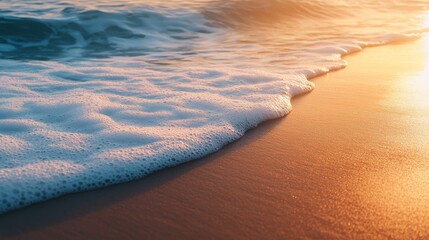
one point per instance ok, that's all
(420, 82)
(418, 85)
(426, 21)
(411, 93)
(410, 99)
(399, 191)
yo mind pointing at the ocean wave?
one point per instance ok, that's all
(66, 128)
(95, 33)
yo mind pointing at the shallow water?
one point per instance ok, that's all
(92, 95)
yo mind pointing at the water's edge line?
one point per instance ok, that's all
(349, 53)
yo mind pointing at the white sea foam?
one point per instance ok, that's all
(66, 128)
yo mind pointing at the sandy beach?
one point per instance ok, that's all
(351, 161)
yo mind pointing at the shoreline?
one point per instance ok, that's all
(324, 171)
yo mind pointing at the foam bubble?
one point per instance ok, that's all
(111, 124)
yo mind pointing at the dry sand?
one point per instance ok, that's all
(350, 161)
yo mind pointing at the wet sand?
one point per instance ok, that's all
(350, 161)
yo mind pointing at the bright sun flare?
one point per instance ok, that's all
(425, 79)
(425, 82)
(426, 21)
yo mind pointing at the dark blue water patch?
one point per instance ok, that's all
(95, 34)
(36, 39)
(23, 30)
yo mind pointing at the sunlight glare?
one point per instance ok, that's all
(423, 82)
(426, 21)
